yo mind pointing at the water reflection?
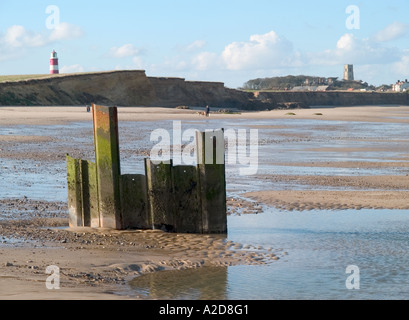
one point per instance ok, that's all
(320, 246)
(206, 283)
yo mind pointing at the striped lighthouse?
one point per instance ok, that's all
(54, 63)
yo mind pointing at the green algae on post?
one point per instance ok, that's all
(134, 202)
(212, 180)
(160, 194)
(108, 165)
(74, 192)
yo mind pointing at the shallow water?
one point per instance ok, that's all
(320, 246)
(25, 178)
(285, 141)
(207, 283)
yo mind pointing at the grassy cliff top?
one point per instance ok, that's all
(21, 77)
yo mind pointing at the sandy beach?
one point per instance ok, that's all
(98, 264)
(58, 115)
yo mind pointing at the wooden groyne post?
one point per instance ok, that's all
(190, 199)
(159, 182)
(107, 161)
(83, 203)
(187, 205)
(134, 203)
(212, 180)
(75, 213)
(184, 199)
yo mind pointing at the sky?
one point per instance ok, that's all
(209, 40)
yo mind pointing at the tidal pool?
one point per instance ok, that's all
(320, 246)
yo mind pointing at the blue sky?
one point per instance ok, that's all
(223, 40)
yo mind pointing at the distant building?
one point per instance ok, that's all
(54, 63)
(349, 72)
(401, 86)
(332, 80)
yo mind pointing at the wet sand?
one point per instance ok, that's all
(98, 264)
(58, 115)
(289, 200)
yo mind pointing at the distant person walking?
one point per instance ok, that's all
(207, 112)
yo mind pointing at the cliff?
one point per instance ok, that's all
(134, 88)
(119, 88)
(334, 98)
(171, 92)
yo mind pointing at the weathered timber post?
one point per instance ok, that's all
(134, 202)
(184, 199)
(85, 193)
(212, 179)
(75, 213)
(108, 171)
(82, 193)
(188, 213)
(159, 183)
(90, 201)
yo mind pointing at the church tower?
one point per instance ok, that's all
(349, 72)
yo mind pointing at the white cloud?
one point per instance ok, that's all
(138, 62)
(175, 64)
(261, 51)
(401, 67)
(196, 45)
(72, 69)
(270, 54)
(347, 42)
(391, 32)
(65, 31)
(350, 49)
(127, 50)
(17, 39)
(205, 61)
